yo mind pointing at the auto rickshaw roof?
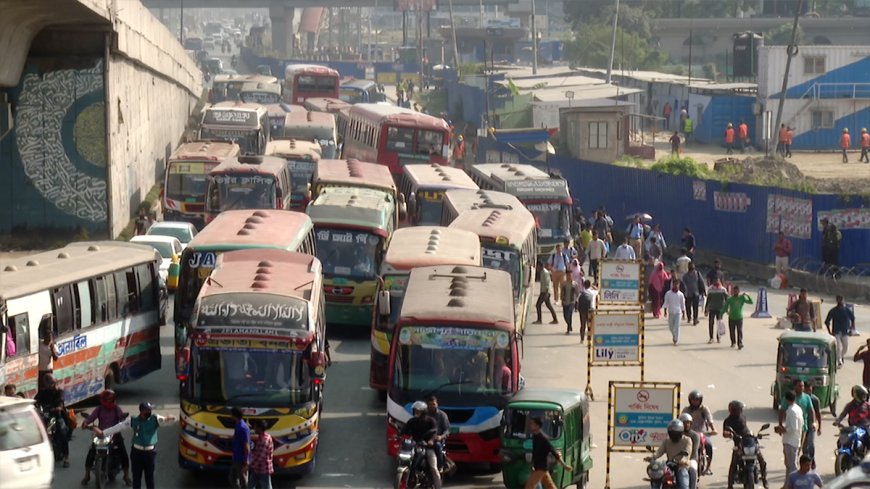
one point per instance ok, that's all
(564, 398)
(806, 337)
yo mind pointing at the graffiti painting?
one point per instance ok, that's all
(790, 215)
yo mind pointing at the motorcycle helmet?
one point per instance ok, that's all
(859, 393)
(146, 407)
(107, 399)
(418, 406)
(735, 407)
(686, 418)
(675, 430)
(696, 395)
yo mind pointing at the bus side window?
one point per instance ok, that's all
(132, 290)
(84, 305)
(19, 326)
(63, 309)
(124, 308)
(111, 297)
(147, 296)
(101, 314)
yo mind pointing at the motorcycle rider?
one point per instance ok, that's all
(677, 447)
(443, 424)
(423, 429)
(858, 410)
(50, 400)
(736, 423)
(686, 418)
(107, 414)
(702, 420)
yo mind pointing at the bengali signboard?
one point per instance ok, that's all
(616, 337)
(846, 218)
(537, 188)
(620, 282)
(790, 215)
(641, 412)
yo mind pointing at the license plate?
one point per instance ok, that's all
(25, 464)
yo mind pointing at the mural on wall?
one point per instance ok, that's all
(61, 139)
(791, 215)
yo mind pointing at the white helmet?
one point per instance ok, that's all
(418, 406)
(686, 418)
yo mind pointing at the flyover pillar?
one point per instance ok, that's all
(282, 29)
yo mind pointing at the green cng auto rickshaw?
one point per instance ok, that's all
(811, 357)
(565, 416)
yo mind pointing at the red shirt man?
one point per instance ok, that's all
(845, 141)
(743, 132)
(865, 139)
(729, 135)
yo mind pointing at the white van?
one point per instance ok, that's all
(25, 451)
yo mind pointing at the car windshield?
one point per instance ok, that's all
(243, 192)
(182, 234)
(804, 355)
(351, 95)
(428, 208)
(183, 186)
(506, 260)
(19, 428)
(515, 423)
(350, 254)
(165, 249)
(250, 378)
(552, 219)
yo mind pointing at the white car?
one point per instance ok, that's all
(25, 450)
(183, 231)
(169, 249)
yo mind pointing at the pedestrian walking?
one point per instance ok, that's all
(143, 447)
(681, 265)
(805, 477)
(693, 285)
(716, 273)
(809, 447)
(734, 306)
(625, 251)
(782, 136)
(570, 294)
(596, 251)
(656, 236)
(635, 236)
(666, 113)
(839, 322)
(801, 313)
(729, 139)
(714, 306)
(585, 236)
(790, 428)
(782, 250)
(831, 238)
(789, 136)
(558, 265)
(657, 281)
(675, 144)
(241, 449)
(654, 252)
(865, 146)
(261, 458)
(743, 135)
(586, 307)
(542, 449)
(544, 294)
(688, 241)
(808, 416)
(688, 129)
(675, 309)
(845, 144)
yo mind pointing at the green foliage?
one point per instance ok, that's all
(591, 47)
(681, 166)
(781, 36)
(471, 69)
(629, 161)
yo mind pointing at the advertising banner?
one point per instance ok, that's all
(641, 412)
(616, 337)
(620, 282)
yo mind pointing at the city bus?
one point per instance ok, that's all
(301, 158)
(395, 136)
(545, 196)
(304, 80)
(277, 113)
(226, 87)
(360, 91)
(312, 126)
(186, 179)
(457, 201)
(352, 228)
(357, 174)
(455, 339)
(423, 187)
(248, 182)
(420, 246)
(237, 122)
(103, 302)
(509, 244)
(235, 230)
(260, 345)
(260, 93)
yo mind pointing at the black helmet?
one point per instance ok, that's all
(859, 393)
(696, 395)
(145, 406)
(675, 430)
(735, 407)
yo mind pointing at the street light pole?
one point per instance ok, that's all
(612, 43)
(791, 51)
(181, 26)
(534, 40)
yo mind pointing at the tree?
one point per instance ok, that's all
(591, 47)
(781, 36)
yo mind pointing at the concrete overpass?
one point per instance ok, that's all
(94, 95)
(712, 37)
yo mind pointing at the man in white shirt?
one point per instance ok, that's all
(47, 355)
(625, 251)
(596, 251)
(791, 432)
(675, 309)
(682, 264)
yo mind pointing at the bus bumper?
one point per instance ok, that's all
(192, 458)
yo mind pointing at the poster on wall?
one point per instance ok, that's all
(846, 218)
(790, 215)
(731, 201)
(699, 190)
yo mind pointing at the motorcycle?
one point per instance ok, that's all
(703, 456)
(107, 463)
(49, 420)
(747, 471)
(661, 475)
(413, 469)
(850, 447)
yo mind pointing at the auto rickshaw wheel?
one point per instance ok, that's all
(834, 408)
(775, 402)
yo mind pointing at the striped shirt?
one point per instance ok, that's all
(261, 455)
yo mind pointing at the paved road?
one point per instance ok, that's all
(352, 452)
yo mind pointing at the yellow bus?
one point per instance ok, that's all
(457, 201)
(301, 158)
(257, 342)
(420, 246)
(509, 243)
(423, 187)
(352, 227)
(235, 230)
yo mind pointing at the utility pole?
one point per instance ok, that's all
(535, 40)
(181, 27)
(453, 33)
(791, 51)
(612, 43)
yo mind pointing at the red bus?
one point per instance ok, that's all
(395, 136)
(186, 179)
(302, 81)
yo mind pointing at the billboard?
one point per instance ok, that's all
(620, 282)
(641, 411)
(616, 337)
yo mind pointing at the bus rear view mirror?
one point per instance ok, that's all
(318, 362)
(384, 309)
(182, 364)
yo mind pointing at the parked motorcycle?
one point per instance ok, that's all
(49, 420)
(661, 475)
(850, 447)
(748, 471)
(412, 470)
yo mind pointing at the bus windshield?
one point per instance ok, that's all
(262, 98)
(243, 192)
(452, 362)
(316, 84)
(402, 140)
(551, 218)
(428, 208)
(351, 254)
(181, 185)
(249, 377)
(300, 175)
(506, 260)
(247, 139)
